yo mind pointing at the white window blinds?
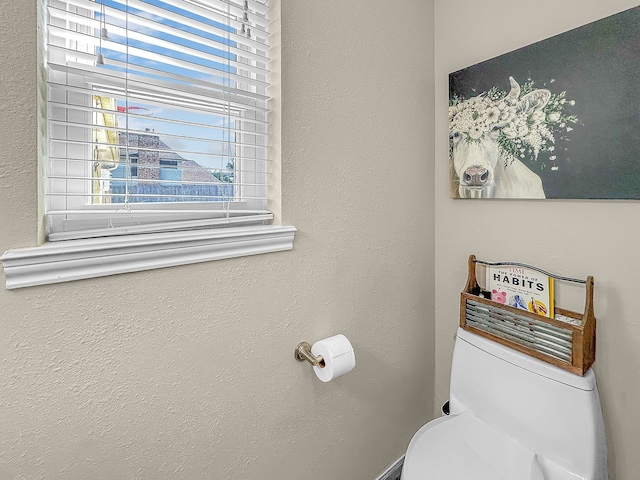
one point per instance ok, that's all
(157, 115)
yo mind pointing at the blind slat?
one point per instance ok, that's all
(160, 182)
(256, 216)
(223, 211)
(222, 161)
(153, 150)
(206, 140)
(225, 127)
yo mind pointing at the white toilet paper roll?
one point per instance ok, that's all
(338, 356)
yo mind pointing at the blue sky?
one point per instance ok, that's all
(152, 117)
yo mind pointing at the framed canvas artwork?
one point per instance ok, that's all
(556, 119)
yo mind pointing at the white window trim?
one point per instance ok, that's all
(57, 262)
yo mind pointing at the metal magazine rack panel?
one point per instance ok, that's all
(567, 341)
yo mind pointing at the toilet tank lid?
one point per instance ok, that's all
(522, 360)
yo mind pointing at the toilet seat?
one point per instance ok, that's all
(463, 447)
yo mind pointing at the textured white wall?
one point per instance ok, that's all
(580, 238)
(188, 372)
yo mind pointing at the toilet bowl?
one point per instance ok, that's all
(512, 417)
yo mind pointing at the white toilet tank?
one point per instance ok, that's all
(553, 412)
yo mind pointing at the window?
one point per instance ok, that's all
(157, 114)
(157, 133)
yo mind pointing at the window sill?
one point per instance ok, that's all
(89, 258)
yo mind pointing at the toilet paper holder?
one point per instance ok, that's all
(303, 352)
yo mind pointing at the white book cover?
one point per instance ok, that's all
(521, 287)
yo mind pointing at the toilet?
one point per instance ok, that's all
(512, 417)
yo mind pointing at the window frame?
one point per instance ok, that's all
(71, 144)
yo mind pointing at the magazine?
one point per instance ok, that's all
(522, 288)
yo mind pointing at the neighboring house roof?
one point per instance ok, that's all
(191, 170)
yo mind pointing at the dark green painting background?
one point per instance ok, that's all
(598, 65)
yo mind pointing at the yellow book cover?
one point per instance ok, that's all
(522, 288)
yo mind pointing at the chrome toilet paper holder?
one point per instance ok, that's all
(303, 352)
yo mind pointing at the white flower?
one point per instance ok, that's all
(509, 131)
(537, 116)
(493, 114)
(553, 117)
(476, 132)
(508, 114)
(522, 129)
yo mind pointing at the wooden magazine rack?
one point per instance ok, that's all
(567, 341)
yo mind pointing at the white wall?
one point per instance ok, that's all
(188, 372)
(597, 237)
(162, 386)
